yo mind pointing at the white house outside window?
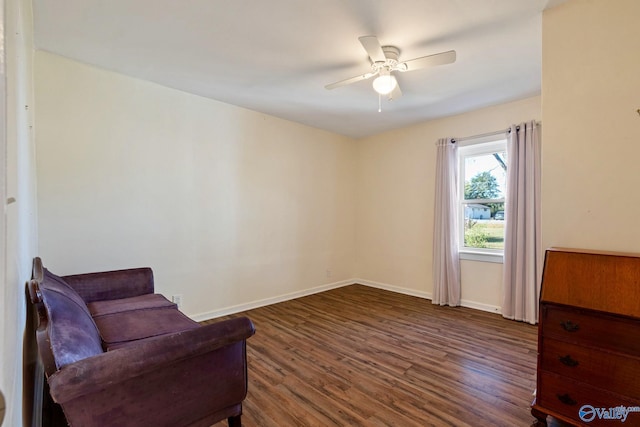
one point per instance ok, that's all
(483, 172)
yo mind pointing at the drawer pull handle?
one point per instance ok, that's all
(569, 326)
(568, 361)
(566, 399)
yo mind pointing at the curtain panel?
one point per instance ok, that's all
(446, 261)
(522, 247)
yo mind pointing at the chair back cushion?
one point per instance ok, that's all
(72, 332)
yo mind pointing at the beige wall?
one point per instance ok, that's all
(131, 173)
(591, 132)
(396, 175)
(228, 206)
(19, 237)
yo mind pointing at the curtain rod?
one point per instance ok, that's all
(482, 135)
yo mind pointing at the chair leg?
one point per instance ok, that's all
(235, 421)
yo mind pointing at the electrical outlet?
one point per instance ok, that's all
(328, 273)
(177, 299)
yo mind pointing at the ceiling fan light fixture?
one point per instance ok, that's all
(385, 83)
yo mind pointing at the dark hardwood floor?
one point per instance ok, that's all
(359, 356)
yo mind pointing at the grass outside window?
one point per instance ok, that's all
(484, 234)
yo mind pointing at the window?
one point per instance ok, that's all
(483, 173)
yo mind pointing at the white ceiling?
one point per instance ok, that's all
(276, 56)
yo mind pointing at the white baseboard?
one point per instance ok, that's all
(481, 306)
(392, 288)
(268, 301)
(427, 295)
(293, 295)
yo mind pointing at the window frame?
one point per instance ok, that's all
(471, 148)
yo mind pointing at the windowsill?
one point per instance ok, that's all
(482, 257)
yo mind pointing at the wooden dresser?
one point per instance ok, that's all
(589, 339)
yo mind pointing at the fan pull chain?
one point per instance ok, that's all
(379, 103)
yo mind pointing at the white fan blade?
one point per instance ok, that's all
(395, 93)
(373, 48)
(428, 61)
(350, 80)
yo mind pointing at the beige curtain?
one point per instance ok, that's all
(522, 248)
(446, 261)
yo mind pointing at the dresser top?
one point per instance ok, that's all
(603, 281)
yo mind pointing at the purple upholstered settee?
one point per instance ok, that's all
(117, 354)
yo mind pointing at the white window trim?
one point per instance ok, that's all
(467, 255)
(471, 147)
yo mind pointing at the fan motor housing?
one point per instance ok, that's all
(391, 52)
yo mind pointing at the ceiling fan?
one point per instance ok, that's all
(384, 61)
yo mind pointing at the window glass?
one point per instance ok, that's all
(483, 168)
(485, 176)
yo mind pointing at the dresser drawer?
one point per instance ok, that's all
(584, 403)
(611, 371)
(591, 328)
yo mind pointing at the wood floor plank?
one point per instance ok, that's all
(360, 356)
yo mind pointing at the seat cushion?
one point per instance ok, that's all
(148, 301)
(127, 326)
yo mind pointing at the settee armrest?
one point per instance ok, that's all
(153, 357)
(110, 285)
